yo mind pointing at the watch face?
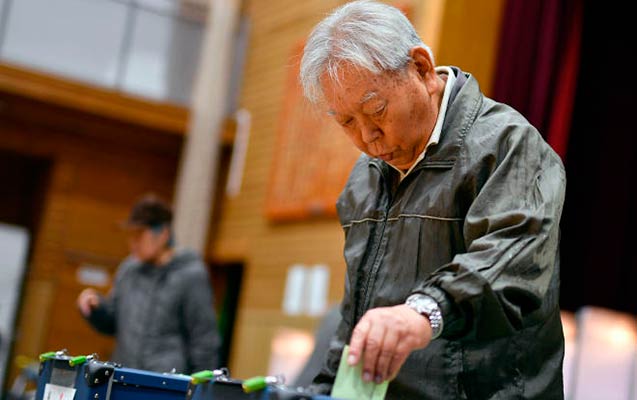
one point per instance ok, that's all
(428, 307)
(421, 304)
(425, 305)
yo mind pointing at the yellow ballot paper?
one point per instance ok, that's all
(349, 383)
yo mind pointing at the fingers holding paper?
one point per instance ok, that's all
(383, 339)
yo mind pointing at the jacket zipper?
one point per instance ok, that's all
(364, 304)
(365, 289)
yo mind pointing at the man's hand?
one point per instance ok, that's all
(386, 336)
(87, 301)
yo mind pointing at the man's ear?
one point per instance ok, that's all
(424, 66)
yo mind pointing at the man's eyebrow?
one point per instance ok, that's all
(367, 97)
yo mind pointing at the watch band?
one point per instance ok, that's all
(428, 307)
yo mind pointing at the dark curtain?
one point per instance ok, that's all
(563, 94)
(538, 63)
(599, 264)
(566, 66)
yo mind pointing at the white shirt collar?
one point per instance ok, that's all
(435, 134)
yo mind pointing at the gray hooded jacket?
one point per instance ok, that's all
(162, 317)
(476, 227)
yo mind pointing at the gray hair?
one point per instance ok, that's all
(367, 34)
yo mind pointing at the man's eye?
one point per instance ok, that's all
(347, 122)
(380, 110)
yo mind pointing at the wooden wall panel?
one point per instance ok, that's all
(469, 37)
(66, 327)
(312, 156)
(92, 100)
(266, 323)
(37, 298)
(266, 248)
(93, 180)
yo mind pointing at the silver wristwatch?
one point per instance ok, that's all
(428, 307)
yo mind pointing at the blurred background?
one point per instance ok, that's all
(102, 101)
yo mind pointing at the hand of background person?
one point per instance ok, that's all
(87, 301)
(385, 336)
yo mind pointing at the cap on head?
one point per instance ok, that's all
(149, 211)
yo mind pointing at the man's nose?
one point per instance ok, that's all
(370, 132)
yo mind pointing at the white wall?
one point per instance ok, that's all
(14, 242)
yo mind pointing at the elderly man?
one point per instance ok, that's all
(451, 220)
(161, 306)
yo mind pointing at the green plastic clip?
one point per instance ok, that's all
(77, 360)
(47, 356)
(254, 384)
(201, 376)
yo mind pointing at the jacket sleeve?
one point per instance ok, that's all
(200, 324)
(507, 278)
(102, 318)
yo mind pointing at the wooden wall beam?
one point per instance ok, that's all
(98, 101)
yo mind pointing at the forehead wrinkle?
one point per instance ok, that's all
(338, 90)
(369, 95)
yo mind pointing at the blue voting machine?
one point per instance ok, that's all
(63, 377)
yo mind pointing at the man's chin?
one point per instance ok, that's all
(393, 161)
(387, 157)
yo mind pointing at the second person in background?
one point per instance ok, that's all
(160, 309)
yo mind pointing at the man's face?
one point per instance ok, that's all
(388, 116)
(146, 244)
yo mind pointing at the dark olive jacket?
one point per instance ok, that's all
(475, 225)
(162, 317)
